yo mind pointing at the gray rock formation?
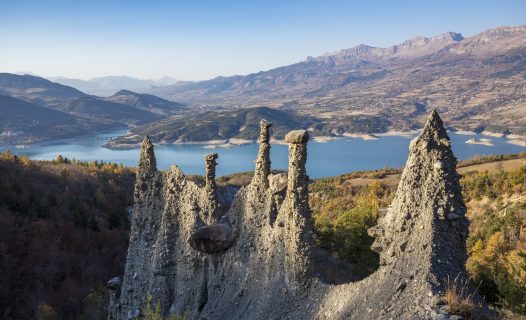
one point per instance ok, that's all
(255, 261)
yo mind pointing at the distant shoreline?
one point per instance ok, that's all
(236, 142)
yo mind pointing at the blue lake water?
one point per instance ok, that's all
(324, 159)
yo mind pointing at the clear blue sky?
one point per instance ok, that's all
(196, 39)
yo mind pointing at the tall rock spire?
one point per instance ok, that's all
(147, 163)
(426, 224)
(210, 185)
(210, 171)
(298, 233)
(263, 160)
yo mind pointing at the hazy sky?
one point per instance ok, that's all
(195, 39)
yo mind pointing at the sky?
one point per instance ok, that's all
(198, 39)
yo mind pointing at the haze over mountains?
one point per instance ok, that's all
(105, 86)
(476, 83)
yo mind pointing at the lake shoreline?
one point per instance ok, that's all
(235, 142)
(327, 157)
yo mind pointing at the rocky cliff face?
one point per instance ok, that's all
(255, 261)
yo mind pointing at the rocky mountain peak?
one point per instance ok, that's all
(452, 36)
(505, 38)
(503, 32)
(415, 47)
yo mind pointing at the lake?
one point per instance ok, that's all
(324, 159)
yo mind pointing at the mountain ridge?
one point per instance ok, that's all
(88, 114)
(146, 102)
(94, 108)
(403, 49)
(473, 81)
(22, 121)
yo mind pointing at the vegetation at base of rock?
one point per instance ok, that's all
(343, 215)
(153, 312)
(497, 242)
(458, 299)
(63, 234)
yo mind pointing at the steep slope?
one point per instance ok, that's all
(37, 90)
(146, 102)
(23, 122)
(63, 232)
(101, 110)
(255, 261)
(474, 81)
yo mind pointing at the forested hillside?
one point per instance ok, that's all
(63, 234)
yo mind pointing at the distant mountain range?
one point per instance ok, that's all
(24, 122)
(36, 109)
(475, 81)
(105, 86)
(37, 90)
(95, 108)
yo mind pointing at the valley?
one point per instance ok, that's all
(477, 83)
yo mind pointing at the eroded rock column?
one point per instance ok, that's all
(262, 170)
(210, 185)
(298, 233)
(425, 228)
(147, 169)
(147, 163)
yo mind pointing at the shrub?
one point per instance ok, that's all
(458, 298)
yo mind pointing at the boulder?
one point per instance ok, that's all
(212, 238)
(297, 136)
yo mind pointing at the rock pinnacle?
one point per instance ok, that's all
(147, 163)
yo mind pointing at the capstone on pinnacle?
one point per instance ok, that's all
(298, 232)
(297, 136)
